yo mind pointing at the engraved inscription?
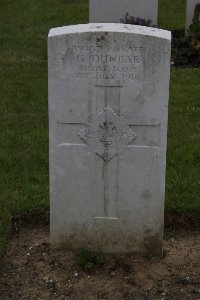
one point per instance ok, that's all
(107, 134)
(108, 59)
(108, 48)
(107, 62)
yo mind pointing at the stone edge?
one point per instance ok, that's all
(110, 27)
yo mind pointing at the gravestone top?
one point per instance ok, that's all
(111, 11)
(190, 13)
(108, 108)
(110, 27)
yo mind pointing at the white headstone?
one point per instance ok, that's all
(190, 13)
(108, 107)
(111, 11)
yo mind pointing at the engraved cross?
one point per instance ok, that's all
(108, 134)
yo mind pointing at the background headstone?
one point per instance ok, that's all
(111, 11)
(108, 107)
(190, 13)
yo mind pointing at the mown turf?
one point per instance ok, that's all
(172, 14)
(183, 160)
(24, 111)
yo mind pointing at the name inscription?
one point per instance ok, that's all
(107, 63)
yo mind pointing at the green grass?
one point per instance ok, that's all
(24, 110)
(172, 14)
(183, 163)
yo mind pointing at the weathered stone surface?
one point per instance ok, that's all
(108, 106)
(190, 13)
(111, 11)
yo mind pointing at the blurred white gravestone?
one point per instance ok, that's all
(111, 11)
(108, 107)
(190, 13)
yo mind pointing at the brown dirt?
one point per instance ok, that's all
(30, 270)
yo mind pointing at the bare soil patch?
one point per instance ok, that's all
(30, 270)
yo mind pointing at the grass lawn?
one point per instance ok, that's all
(24, 108)
(183, 157)
(171, 14)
